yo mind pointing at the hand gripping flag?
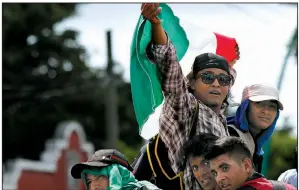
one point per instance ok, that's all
(145, 83)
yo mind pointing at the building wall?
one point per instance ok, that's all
(67, 148)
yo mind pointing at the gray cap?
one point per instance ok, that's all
(100, 158)
(261, 92)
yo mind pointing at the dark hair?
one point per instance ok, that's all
(229, 97)
(197, 146)
(228, 145)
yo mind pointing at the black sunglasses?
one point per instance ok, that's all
(209, 78)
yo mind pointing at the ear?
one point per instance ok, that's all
(247, 164)
(191, 80)
(192, 84)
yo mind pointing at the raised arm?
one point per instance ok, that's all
(163, 53)
(150, 11)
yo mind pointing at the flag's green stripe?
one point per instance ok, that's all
(145, 83)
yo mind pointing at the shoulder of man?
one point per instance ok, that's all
(233, 130)
(287, 174)
(283, 176)
(245, 136)
(257, 181)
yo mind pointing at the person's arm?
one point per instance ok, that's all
(158, 34)
(150, 11)
(163, 53)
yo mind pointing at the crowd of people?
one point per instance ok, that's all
(210, 152)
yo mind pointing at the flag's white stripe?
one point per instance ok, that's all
(199, 42)
(151, 126)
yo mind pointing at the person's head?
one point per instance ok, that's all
(194, 151)
(230, 162)
(95, 178)
(210, 79)
(263, 106)
(95, 172)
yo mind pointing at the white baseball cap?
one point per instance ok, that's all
(261, 92)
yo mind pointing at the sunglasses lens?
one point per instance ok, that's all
(224, 80)
(208, 78)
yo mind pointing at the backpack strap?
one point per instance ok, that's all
(191, 133)
(150, 160)
(192, 127)
(258, 162)
(245, 136)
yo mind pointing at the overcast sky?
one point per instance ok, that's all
(263, 32)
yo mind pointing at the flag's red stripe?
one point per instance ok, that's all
(226, 47)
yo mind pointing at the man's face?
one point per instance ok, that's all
(202, 173)
(97, 182)
(262, 114)
(230, 174)
(212, 94)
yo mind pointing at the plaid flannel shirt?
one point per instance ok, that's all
(179, 108)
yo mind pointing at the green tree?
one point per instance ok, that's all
(46, 80)
(281, 152)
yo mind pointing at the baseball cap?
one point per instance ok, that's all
(209, 60)
(100, 158)
(261, 92)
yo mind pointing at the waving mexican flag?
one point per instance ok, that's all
(145, 82)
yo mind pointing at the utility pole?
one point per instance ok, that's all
(112, 129)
